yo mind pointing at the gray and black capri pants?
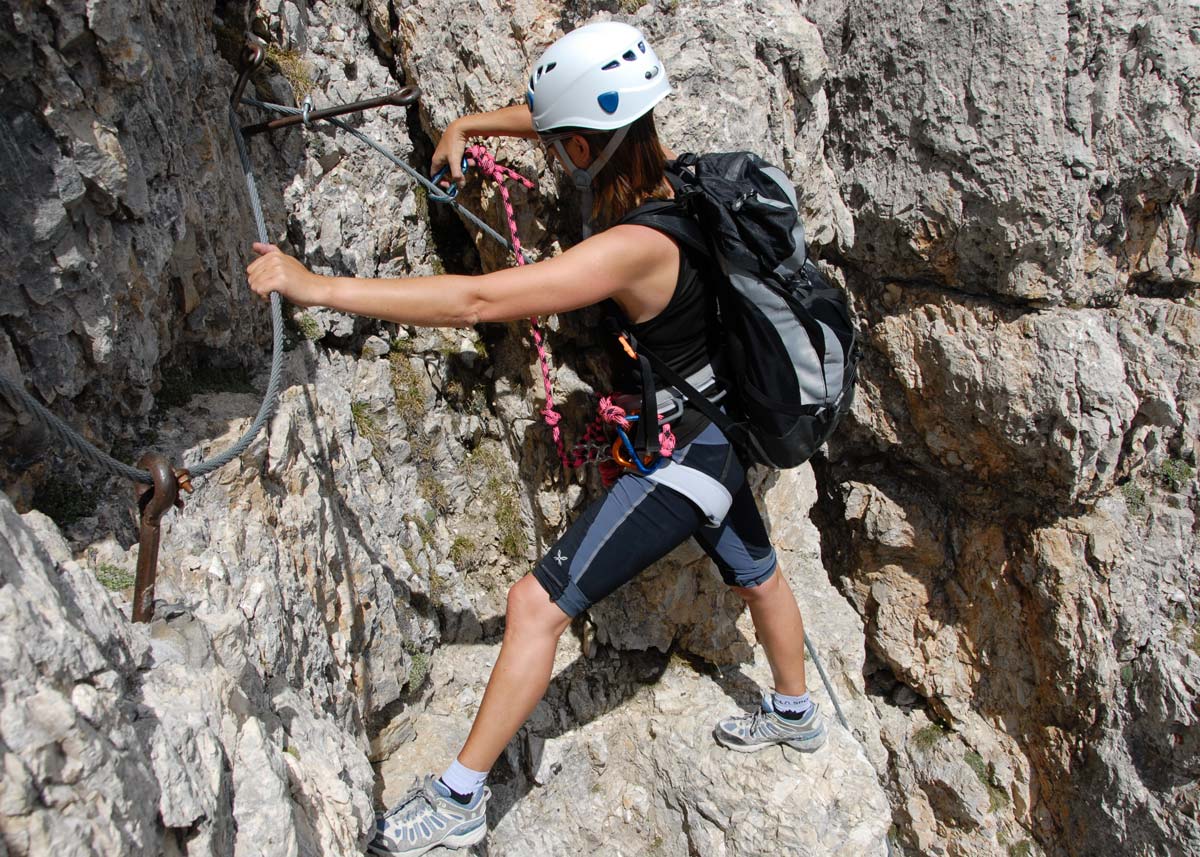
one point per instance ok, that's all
(640, 520)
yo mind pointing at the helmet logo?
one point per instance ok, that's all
(608, 101)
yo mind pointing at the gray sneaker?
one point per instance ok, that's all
(758, 729)
(427, 817)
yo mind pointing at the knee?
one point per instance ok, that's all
(530, 609)
(764, 591)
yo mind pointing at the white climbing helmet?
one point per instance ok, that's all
(600, 76)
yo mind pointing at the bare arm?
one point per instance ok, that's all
(634, 265)
(514, 121)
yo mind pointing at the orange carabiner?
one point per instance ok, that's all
(621, 456)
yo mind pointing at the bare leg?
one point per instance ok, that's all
(780, 630)
(519, 679)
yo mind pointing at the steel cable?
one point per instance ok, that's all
(90, 452)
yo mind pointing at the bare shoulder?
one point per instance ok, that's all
(632, 249)
(645, 262)
(637, 238)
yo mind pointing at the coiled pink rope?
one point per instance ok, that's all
(594, 445)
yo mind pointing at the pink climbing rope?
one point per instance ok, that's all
(594, 442)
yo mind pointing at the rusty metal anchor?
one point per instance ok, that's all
(153, 504)
(252, 57)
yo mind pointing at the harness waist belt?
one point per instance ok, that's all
(669, 400)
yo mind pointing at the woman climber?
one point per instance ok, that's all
(590, 102)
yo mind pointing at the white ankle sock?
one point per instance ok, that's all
(793, 706)
(461, 779)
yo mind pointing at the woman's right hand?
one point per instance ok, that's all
(450, 151)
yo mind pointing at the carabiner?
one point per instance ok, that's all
(625, 454)
(452, 191)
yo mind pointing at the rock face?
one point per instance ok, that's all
(1001, 588)
(153, 739)
(1013, 507)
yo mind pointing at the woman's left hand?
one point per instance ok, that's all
(276, 271)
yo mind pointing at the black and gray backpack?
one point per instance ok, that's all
(790, 352)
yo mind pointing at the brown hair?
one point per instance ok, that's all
(635, 172)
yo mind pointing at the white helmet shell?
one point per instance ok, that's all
(599, 76)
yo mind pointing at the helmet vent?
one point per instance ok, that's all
(629, 56)
(550, 66)
(610, 66)
(642, 47)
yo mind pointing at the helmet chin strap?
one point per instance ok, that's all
(583, 178)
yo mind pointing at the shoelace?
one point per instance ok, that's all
(405, 809)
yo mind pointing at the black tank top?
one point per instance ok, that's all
(684, 335)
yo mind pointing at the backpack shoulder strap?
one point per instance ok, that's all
(671, 217)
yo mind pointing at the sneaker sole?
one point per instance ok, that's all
(805, 745)
(461, 840)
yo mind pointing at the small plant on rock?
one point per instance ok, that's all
(997, 797)
(308, 327)
(929, 735)
(293, 67)
(407, 387)
(1176, 474)
(113, 578)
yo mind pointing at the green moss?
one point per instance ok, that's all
(308, 327)
(407, 387)
(1021, 849)
(418, 670)
(928, 736)
(1127, 675)
(366, 424)
(464, 553)
(997, 797)
(509, 523)
(1135, 499)
(435, 493)
(292, 751)
(487, 461)
(113, 577)
(437, 583)
(65, 502)
(1176, 474)
(975, 763)
(425, 531)
(292, 66)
